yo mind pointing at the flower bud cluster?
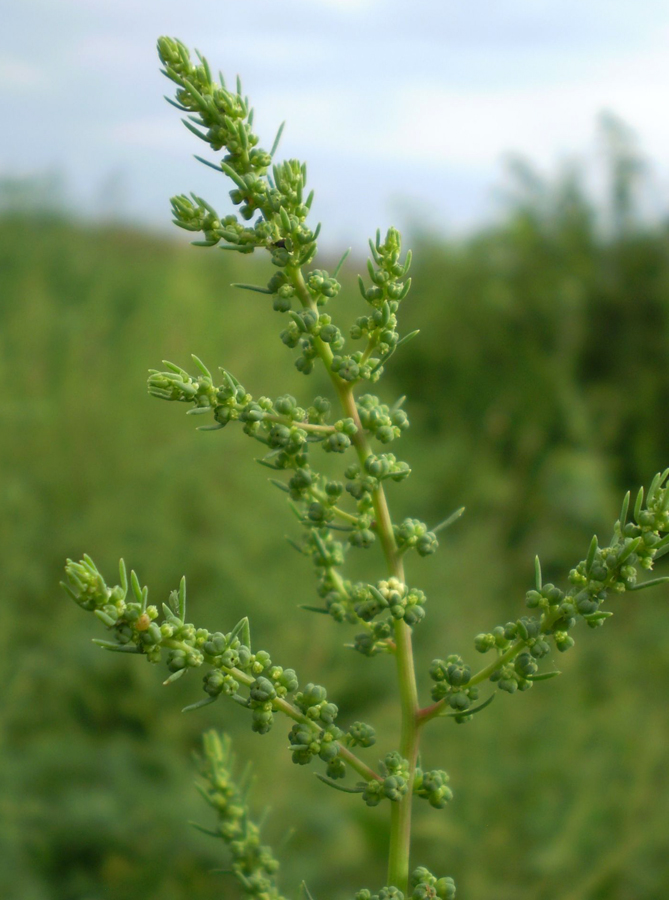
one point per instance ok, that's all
(424, 885)
(380, 328)
(392, 595)
(232, 664)
(635, 544)
(433, 787)
(253, 862)
(386, 893)
(378, 638)
(306, 742)
(377, 418)
(356, 367)
(223, 120)
(361, 735)
(226, 116)
(282, 425)
(135, 628)
(305, 328)
(386, 273)
(427, 886)
(519, 673)
(366, 479)
(451, 677)
(414, 534)
(395, 781)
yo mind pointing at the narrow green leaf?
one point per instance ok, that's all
(269, 465)
(201, 366)
(175, 676)
(339, 787)
(655, 483)
(89, 561)
(543, 676)
(238, 180)
(537, 573)
(661, 551)
(208, 831)
(182, 598)
(68, 590)
(599, 616)
(629, 549)
(251, 287)
(624, 509)
(341, 262)
(170, 614)
(307, 893)
(322, 549)
(242, 630)
(591, 553)
(200, 703)
(638, 504)
(296, 511)
(195, 131)
(361, 285)
(454, 516)
(104, 617)
(123, 575)
(407, 338)
(314, 609)
(299, 321)
(468, 712)
(117, 648)
(136, 587)
(206, 162)
(175, 104)
(648, 584)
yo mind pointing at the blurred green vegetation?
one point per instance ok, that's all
(538, 393)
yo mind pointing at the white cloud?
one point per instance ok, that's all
(20, 75)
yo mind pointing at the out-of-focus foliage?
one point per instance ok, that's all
(539, 395)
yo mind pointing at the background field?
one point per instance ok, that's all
(538, 393)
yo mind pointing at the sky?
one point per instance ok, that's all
(405, 110)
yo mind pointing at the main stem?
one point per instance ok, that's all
(400, 816)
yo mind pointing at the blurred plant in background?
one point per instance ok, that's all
(542, 375)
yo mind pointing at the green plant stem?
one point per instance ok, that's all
(400, 822)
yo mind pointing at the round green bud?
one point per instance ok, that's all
(563, 641)
(363, 538)
(262, 690)
(484, 642)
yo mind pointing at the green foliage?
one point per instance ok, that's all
(573, 797)
(287, 430)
